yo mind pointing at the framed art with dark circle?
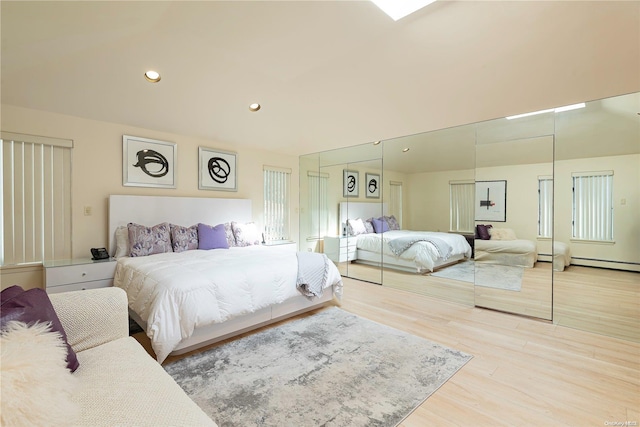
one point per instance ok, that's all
(350, 183)
(217, 170)
(148, 162)
(372, 185)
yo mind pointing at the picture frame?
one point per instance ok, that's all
(491, 201)
(350, 183)
(217, 169)
(148, 162)
(372, 185)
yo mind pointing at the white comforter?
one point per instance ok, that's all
(178, 292)
(424, 254)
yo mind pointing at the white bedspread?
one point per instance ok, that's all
(178, 292)
(424, 254)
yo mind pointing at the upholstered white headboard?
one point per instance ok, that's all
(364, 210)
(185, 211)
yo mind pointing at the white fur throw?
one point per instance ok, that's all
(36, 385)
(502, 234)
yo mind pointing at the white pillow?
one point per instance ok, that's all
(502, 234)
(122, 242)
(356, 226)
(36, 387)
(245, 234)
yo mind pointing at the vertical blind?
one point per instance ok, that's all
(395, 201)
(545, 206)
(461, 209)
(593, 205)
(36, 199)
(318, 204)
(276, 203)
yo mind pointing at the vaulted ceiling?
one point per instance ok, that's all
(327, 73)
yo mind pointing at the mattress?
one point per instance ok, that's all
(518, 252)
(175, 293)
(424, 255)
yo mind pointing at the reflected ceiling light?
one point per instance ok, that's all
(377, 142)
(398, 9)
(152, 76)
(404, 150)
(549, 110)
(254, 107)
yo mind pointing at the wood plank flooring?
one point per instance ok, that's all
(524, 372)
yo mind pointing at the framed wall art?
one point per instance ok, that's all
(217, 170)
(491, 201)
(148, 162)
(372, 185)
(350, 183)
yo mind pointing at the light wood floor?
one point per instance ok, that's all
(592, 299)
(524, 372)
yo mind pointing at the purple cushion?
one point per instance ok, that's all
(145, 241)
(183, 238)
(380, 225)
(212, 237)
(33, 306)
(483, 231)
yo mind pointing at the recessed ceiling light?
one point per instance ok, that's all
(398, 9)
(404, 150)
(254, 107)
(152, 76)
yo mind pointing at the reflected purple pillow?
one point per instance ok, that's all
(380, 225)
(483, 231)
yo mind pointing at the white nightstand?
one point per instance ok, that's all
(282, 245)
(340, 249)
(78, 274)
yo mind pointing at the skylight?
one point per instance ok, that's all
(398, 9)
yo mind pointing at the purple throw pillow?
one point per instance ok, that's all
(380, 225)
(483, 231)
(183, 238)
(33, 306)
(212, 237)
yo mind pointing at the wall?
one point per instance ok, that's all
(97, 173)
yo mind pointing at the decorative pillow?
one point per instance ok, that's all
(356, 226)
(36, 387)
(502, 234)
(380, 225)
(231, 239)
(483, 231)
(149, 240)
(183, 238)
(392, 222)
(368, 225)
(122, 242)
(212, 237)
(33, 306)
(245, 234)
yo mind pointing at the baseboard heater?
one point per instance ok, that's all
(601, 263)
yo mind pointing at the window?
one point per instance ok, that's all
(545, 206)
(395, 200)
(35, 209)
(318, 204)
(461, 201)
(593, 206)
(276, 203)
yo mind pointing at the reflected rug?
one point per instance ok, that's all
(332, 368)
(488, 275)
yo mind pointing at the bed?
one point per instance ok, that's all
(185, 300)
(503, 247)
(421, 256)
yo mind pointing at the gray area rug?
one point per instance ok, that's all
(489, 275)
(332, 368)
